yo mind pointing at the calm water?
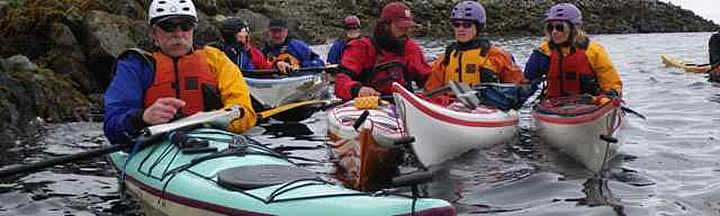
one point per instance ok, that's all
(668, 164)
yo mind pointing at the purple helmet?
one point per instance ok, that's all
(468, 10)
(564, 12)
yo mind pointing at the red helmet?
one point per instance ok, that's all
(397, 12)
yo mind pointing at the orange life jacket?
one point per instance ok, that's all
(183, 78)
(570, 74)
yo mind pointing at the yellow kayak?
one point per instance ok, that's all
(689, 67)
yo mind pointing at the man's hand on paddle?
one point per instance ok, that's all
(284, 67)
(162, 111)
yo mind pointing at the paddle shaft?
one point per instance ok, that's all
(60, 160)
(275, 71)
(271, 112)
(118, 147)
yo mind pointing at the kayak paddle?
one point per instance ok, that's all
(277, 71)
(149, 134)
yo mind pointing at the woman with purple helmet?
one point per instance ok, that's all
(571, 63)
(471, 59)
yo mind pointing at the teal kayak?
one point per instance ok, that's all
(221, 173)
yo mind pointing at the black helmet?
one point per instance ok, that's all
(234, 24)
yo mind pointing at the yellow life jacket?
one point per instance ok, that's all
(470, 67)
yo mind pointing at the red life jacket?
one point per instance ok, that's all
(183, 78)
(388, 68)
(567, 74)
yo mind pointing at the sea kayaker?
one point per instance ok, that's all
(286, 53)
(714, 51)
(237, 45)
(174, 79)
(571, 62)
(472, 59)
(714, 48)
(352, 32)
(369, 66)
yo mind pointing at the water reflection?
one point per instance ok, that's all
(597, 193)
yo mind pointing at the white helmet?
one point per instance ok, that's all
(166, 8)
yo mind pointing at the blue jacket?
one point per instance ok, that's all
(335, 53)
(296, 48)
(124, 98)
(537, 65)
(239, 56)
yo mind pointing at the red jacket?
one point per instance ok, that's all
(360, 56)
(258, 59)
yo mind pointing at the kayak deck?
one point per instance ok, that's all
(177, 183)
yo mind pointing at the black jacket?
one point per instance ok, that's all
(714, 48)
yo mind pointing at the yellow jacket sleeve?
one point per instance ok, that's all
(437, 74)
(608, 77)
(233, 89)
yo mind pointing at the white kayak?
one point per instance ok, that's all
(269, 92)
(273, 92)
(366, 155)
(580, 128)
(443, 132)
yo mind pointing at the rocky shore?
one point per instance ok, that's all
(57, 55)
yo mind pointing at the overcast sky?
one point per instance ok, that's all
(703, 8)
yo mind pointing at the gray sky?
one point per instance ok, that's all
(703, 8)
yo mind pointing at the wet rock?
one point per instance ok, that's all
(206, 32)
(28, 92)
(18, 63)
(67, 57)
(107, 35)
(132, 9)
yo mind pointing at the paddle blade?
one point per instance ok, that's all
(628, 110)
(413, 179)
(608, 138)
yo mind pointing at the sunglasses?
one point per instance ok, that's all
(171, 26)
(561, 27)
(463, 24)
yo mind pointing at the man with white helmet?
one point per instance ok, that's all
(174, 79)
